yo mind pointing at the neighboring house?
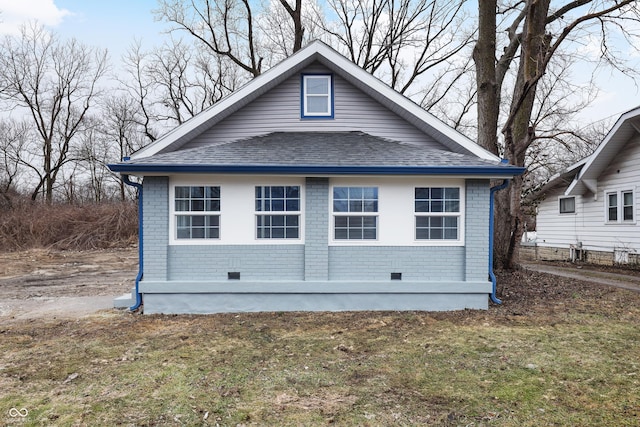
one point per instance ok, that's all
(590, 211)
(314, 187)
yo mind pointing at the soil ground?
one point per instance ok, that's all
(47, 283)
(63, 284)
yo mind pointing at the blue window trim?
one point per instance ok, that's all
(331, 97)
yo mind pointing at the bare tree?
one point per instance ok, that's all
(13, 138)
(401, 41)
(225, 27)
(536, 33)
(55, 83)
(174, 82)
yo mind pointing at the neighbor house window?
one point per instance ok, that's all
(355, 213)
(620, 206)
(283, 204)
(612, 207)
(627, 205)
(197, 212)
(317, 96)
(437, 213)
(567, 205)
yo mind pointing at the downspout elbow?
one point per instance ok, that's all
(492, 275)
(138, 303)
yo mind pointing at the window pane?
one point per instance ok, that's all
(355, 206)
(291, 220)
(341, 221)
(340, 206)
(451, 221)
(291, 233)
(355, 192)
(213, 192)
(277, 205)
(369, 234)
(437, 206)
(355, 221)
(452, 206)
(317, 85)
(628, 213)
(452, 193)
(182, 192)
(197, 205)
(212, 205)
(355, 234)
(613, 200)
(370, 192)
(451, 234)
(627, 198)
(340, 234)
(293, 205)
(436, 233)
(340, 193)
(437, 193)
(197, 192)
(277, 192)
(369, 221)
(182, 205)
(422, 193)
(613, 214)
(317, 104)
(422, 206)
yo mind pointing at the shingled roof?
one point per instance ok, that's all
(316, 152)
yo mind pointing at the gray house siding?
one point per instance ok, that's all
(313, 275)
(279, 110)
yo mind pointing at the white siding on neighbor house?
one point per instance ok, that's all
(279, 110)
(588, 225)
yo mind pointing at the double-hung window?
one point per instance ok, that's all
(355, 213)
(197, 212)
(437, 213)
(278, 212)
(620, 206)
(317, 95)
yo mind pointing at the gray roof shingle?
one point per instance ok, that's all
(314, 149)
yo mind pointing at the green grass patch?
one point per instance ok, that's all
(473, 368)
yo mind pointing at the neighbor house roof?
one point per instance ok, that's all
(316, 51)
(317, 152)
(587, 178)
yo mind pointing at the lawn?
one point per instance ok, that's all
(558, 352)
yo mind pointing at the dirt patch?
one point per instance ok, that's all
(52, 283)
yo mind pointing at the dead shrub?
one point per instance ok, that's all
(28, 224)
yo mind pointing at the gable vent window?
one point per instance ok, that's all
(317, 96)
(567, 205)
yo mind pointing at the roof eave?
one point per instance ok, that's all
(485, 171)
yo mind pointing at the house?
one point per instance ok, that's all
(589, 211)
(314, 187)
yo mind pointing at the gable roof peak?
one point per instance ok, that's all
(316, 51)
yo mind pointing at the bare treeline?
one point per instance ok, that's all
(509, 74)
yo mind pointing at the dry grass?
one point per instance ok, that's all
(558, 353)
(64, 226)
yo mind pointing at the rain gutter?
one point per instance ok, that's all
(505, 183)
(138, 302)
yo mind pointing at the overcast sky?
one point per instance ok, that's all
(114, 24)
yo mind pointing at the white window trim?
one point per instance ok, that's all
(620, 207)
(574, 205)
(363, 214)
(459, 215)
(297, 213)
(173, 229)
(329, 95)
(237, 210)
(396, 210)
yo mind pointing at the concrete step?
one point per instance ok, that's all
(123, 301)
